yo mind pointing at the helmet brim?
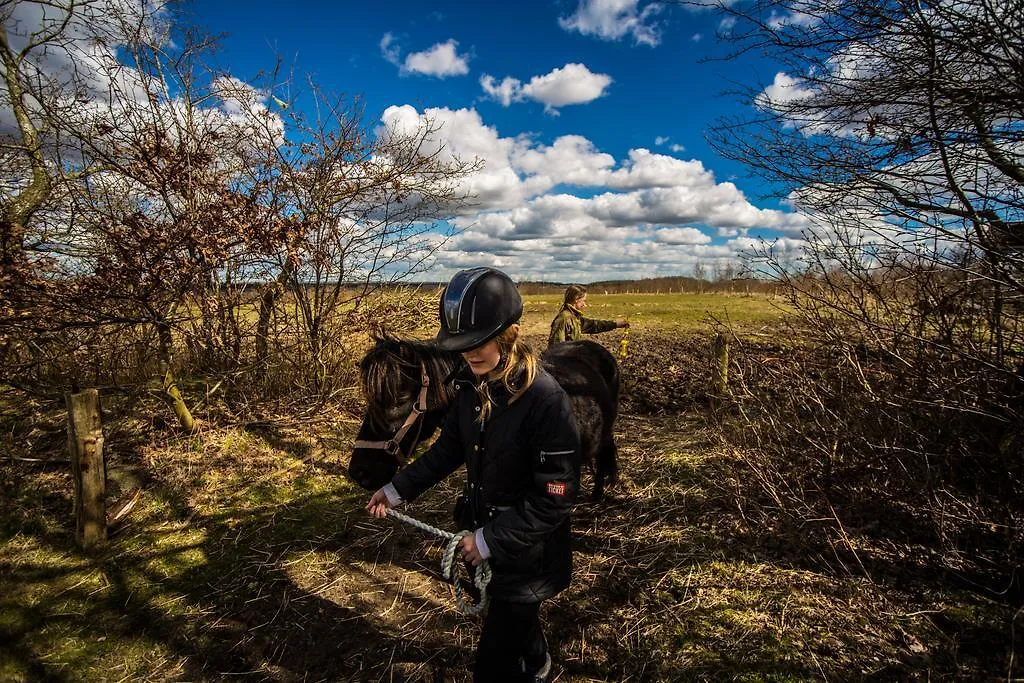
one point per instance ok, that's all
(467, 341)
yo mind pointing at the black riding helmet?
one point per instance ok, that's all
(476, 306)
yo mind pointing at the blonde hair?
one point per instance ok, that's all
(516, 370)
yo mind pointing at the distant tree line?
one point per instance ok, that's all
(722, 280)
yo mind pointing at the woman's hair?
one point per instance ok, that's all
(516, 370)
(573, 294)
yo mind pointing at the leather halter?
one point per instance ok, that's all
(393, 445)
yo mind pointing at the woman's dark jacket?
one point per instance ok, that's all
(523, 471)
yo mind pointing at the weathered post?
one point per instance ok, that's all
(721, 369)
(85, 443)
(185, 418)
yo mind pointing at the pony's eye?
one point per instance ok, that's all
(401, 406)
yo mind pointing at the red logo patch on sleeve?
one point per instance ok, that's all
(556, 488)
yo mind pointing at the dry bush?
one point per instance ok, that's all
(215, 357)
(106, 356)
(926, 452)
(290, 367)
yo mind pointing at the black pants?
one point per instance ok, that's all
(511, 633)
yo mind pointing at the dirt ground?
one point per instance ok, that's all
(250, 557)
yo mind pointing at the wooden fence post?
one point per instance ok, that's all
(85, 443)
(185, 418)
(722, 367)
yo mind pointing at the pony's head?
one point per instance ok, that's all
(406, 396)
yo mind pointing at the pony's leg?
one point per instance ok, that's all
(611, 454)
(607, 469)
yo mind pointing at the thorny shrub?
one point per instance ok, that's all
(927, 452)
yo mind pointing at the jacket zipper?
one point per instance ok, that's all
(543, 454)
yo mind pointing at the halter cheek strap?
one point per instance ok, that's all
(393, 445)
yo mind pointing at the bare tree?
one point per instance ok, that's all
(723, 272)
(899, 131)
(368, 210)
(123, 199)
(35, 37)
(700, 275)
(147, 191)
(897, 128)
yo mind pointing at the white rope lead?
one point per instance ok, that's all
(481, 577)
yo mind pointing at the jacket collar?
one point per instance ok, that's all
(465, 378)
(461, 375)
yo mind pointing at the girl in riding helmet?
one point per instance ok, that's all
(513, 428)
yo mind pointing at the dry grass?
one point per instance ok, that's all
(250, 556)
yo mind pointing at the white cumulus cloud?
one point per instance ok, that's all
(441, 60)
(680, 236)
(570, 84)
(553, 211)
(784, 88)
(508, 91)
(614, 20)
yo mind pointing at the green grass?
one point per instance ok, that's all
(678, 313)
(146, 605)
(271, 570)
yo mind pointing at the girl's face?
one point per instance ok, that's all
(484, 358)
(581, 303)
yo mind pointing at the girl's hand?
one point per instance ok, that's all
(470, 552)
(621, 322)
(378, 505)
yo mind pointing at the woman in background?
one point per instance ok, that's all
(570, 324)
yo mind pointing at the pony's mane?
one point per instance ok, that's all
(382, 369)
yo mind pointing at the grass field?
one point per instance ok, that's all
(250, 555)
(675, 313)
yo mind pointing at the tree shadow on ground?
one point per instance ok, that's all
(228, 594)
(290, 581)
(676, 582)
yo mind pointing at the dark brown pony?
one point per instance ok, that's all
(408, 390)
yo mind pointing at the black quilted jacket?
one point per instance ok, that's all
(523, 470)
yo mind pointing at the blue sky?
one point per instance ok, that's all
(589, 117)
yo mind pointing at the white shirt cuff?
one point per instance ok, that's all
(394, 499)
(481, 544)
